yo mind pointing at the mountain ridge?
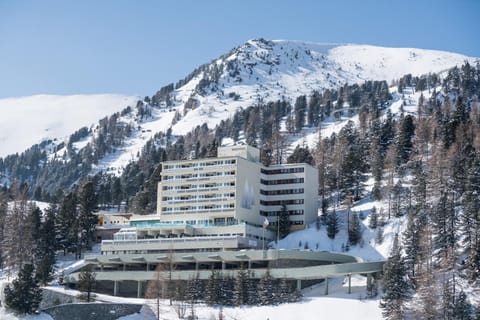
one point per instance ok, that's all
(255, 72)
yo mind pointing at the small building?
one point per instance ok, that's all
(110, 223)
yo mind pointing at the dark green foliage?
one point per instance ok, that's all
(395, 285)
(24, 295)
(87, 200)
(372, 222)
(463, 309)
(226, 290)
(332, 224)
(252, 292)
(404, 139)
(455, 305)
(194, 290)
(241, 288)
(300, 109)
(267, 290)
(398, 200)
(301, 155)
(444, 222)
(411, 243)
(212, 289)
(353, 162)
(3, 217)
(355, 230)
(66, 223)
(47, 245)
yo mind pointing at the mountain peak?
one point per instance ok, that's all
(263, 70)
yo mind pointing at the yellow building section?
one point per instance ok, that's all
(297, 227)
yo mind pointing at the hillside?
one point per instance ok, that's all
(405, 144)
(255, 72)
(26, 121)
(260, 71)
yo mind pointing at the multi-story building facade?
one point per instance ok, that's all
(236, 187)
(221, 203)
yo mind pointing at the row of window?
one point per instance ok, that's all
(282, 181)
(281, 202)
(219, 196)
(193, 187)
(277, 213)
(199, 175)
(184, 209)
(281, 192)
(199, 164)
(282, 170)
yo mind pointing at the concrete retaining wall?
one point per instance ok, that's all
(92, 311)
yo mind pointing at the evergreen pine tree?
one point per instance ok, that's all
(252, 292)
(354, 231)
(372, 221)
(3, 218)
(283, 291)
(411, 243)
(87, 221)
(332, 224)
(24, 295)
(225, 290)
(379, 235)
(66, 223)
(212, 289)
(463, 310)
(241, 288)
(404, 139)
(395, 285)
(47, 246)
(267, 290)
(300, 108)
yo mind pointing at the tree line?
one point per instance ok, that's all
(30, 238)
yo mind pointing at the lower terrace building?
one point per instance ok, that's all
(221, 203)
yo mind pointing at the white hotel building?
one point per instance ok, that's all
(220, 203)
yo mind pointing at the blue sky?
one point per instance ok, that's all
(136, 47)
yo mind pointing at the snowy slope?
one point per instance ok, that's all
(26, 121)
(257, 71)
(265, 71)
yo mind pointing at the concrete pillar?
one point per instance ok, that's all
(223, 265)
(369, 281)
(299, 284)
(326, 286)
(249, 266)
(196, 266)
(115, 288)
(148, 267)
(101, 267)
(139, 289)
(349, 283)
(124, 267)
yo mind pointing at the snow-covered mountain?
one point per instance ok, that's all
(261, 70)
(258, 70)
(25, 121)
